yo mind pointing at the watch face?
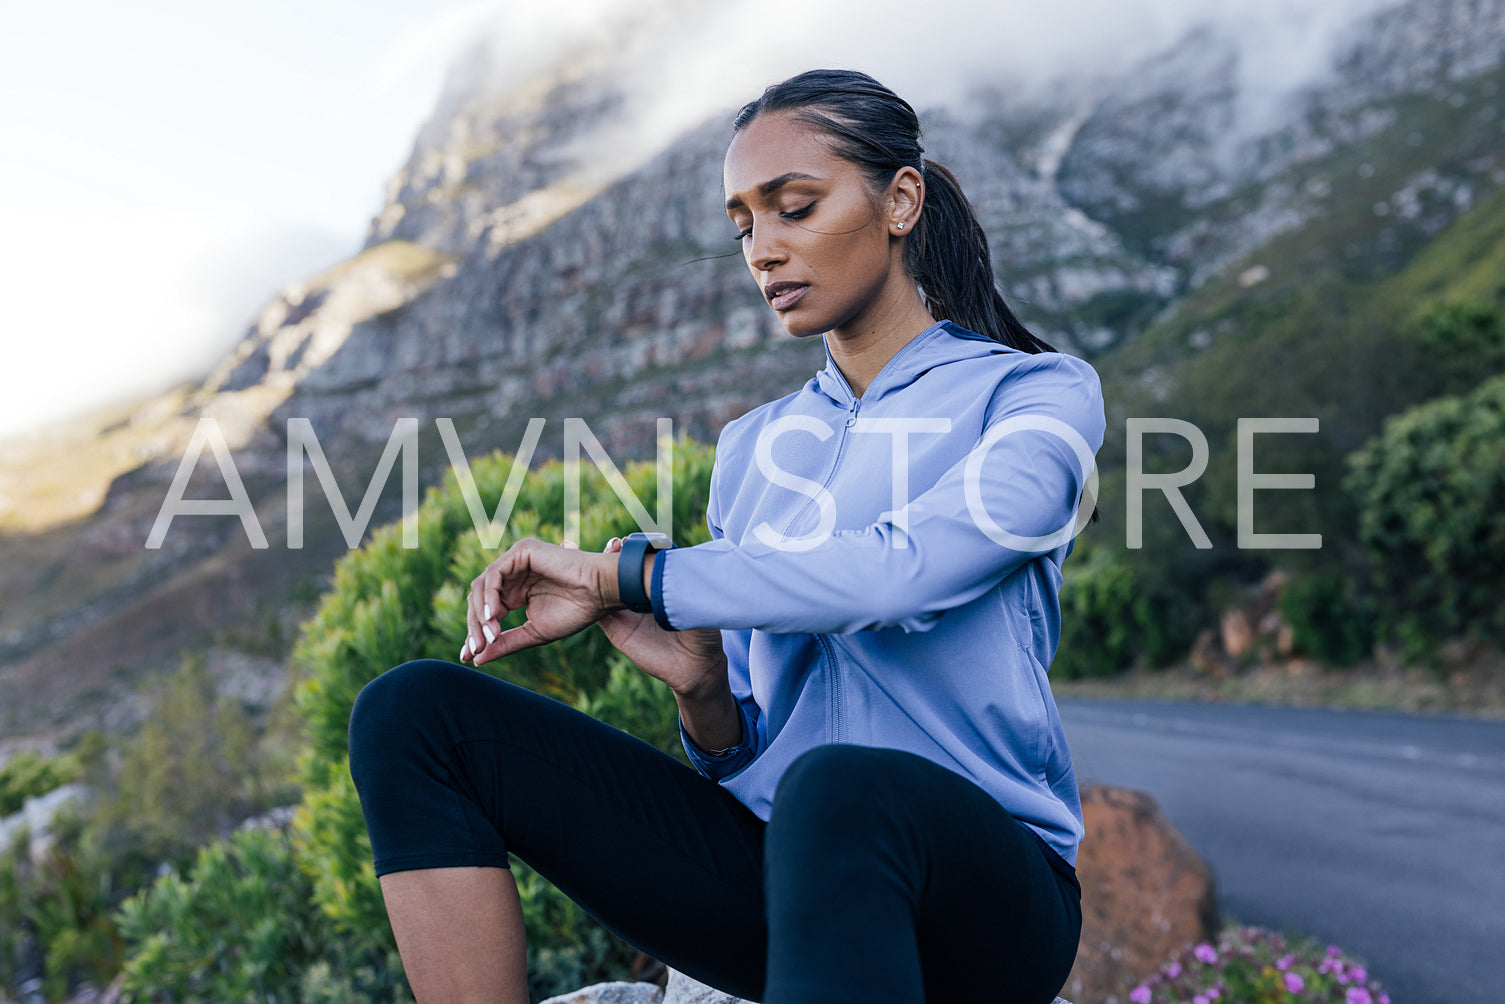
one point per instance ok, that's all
(657, 541)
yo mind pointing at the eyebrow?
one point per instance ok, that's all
(767, 188)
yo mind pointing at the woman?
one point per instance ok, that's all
(883, 806)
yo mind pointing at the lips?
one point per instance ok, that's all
(783, 295)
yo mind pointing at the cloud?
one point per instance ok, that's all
(682, 61)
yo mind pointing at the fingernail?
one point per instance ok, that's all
(486, 611)
(485, 630)
(475, 646)
(465, 650)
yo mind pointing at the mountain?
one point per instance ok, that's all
(519, 268)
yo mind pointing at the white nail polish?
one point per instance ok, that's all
(475, 646)
(486, 612)
(486, 630)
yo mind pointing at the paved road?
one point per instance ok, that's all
(1381, 833)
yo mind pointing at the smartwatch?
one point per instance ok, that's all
(635, 548)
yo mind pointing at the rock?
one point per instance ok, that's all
(35, 818)
(611, 993)
(683, 990)
(1145, 893)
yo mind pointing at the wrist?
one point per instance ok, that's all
(635, 563)
(708, 689)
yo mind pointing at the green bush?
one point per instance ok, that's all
(1325, 618)
(29, 774)
(59, 905)
(1104, 617)
(1464, 342)
(1430, 493)
(389, 605)
(196, 767)
(236, 927)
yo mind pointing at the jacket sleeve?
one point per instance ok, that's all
(736, 644)
(1012, 498)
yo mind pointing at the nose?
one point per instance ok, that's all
(763, 249)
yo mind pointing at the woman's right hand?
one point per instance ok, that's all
(691, 662)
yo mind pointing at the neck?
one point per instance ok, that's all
(864, 345)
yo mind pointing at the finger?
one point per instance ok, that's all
(525, 635)
(472, 620)
(569, 544)
(615, 544)
(465, 650)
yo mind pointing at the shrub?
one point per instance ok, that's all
(235, 927)
(1325, 618)
(1104, 617)
(1250, 965)
(29, 774)
(389, 605)
(1430, 492)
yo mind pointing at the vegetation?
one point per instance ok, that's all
(300, 915)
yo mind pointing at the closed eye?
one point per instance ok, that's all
(793, 214)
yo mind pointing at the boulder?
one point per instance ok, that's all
(1145, 894)
(612, 993)
(683, 990)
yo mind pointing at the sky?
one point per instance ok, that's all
(167, 165)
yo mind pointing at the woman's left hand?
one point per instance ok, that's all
(562, 589)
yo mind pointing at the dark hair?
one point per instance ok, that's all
(877, 130)
(947, 254)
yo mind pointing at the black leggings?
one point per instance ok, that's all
(880, 877)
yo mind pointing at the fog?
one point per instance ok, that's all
(685, 60)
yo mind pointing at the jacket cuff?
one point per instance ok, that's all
(656, 591)
(719, 767)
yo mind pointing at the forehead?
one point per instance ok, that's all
(773, 145)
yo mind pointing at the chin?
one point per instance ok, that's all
(801, 327)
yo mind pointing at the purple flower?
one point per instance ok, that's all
(1206, 953)
(1357, 995)
(1140, 994)
(1294, 983)
(1359, 974)
(1199, 999)
(1284, 962)
(1173, 970)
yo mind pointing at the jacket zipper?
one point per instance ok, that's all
(841, 449)
(838, 730)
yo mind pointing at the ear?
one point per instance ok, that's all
(906, 200)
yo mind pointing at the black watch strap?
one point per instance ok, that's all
(635, 548)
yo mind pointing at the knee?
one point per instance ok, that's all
(834, 787)
(394, 702)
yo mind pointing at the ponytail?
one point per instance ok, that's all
(948, 256)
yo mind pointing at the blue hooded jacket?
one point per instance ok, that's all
(886, 569)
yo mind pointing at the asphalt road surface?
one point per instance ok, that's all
(1381, 833)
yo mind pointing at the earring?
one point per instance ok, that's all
(901, 226)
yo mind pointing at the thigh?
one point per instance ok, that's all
(665, 858)
(996, 921)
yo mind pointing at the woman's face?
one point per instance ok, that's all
(817, 242)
